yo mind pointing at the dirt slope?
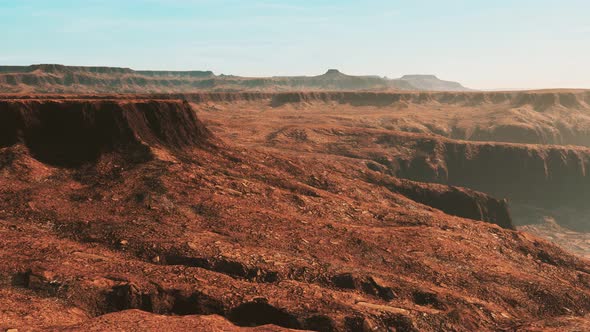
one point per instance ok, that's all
(253, 233)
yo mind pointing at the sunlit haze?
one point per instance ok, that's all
(482, 44)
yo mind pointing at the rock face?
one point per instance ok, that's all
(539, 179)
(537, 100)
(455, 201)
(50, 78)
(545, 175)
(541, 101)
(72, 132)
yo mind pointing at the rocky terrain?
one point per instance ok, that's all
(50, 78)
(316, 211)
(539, 164)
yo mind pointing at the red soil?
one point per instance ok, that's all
(255, 223)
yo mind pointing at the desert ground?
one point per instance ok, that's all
(322, 211)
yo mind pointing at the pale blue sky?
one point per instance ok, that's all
(483, 44)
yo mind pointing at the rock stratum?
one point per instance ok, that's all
(51, 78)
(313, 211)
(75, 132)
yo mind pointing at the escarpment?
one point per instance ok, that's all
(455, 201)
(560, 117)
(530, 117)
(544, 175)
(538, 100)
(76, 131)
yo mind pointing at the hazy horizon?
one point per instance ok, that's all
(503, 45)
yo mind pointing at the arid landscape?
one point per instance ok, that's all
(47, 78)
(334, 208)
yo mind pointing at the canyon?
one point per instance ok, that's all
(459, 139)
(318, 210)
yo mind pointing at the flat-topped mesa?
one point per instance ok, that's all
(61, 69)
(53, 78)
(77, 131)
(432, 83)
(173, 73)
(414, 77)
(333, 72)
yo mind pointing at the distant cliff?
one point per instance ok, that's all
(52, 78)
(431, 83)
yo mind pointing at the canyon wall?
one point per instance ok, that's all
(548, 177)
(540, 100)
(451, 200)
(72, 132)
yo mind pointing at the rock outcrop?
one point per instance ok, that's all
(73, 132)
(546, 175)
(455, 201)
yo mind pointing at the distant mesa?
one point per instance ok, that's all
(432, 83)
(333, 72)
(419, 77)
(56, 78)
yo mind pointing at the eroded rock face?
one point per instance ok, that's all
(73, 132)
(547, 175)
(455, 201)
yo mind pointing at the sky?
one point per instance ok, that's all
(500, 44)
